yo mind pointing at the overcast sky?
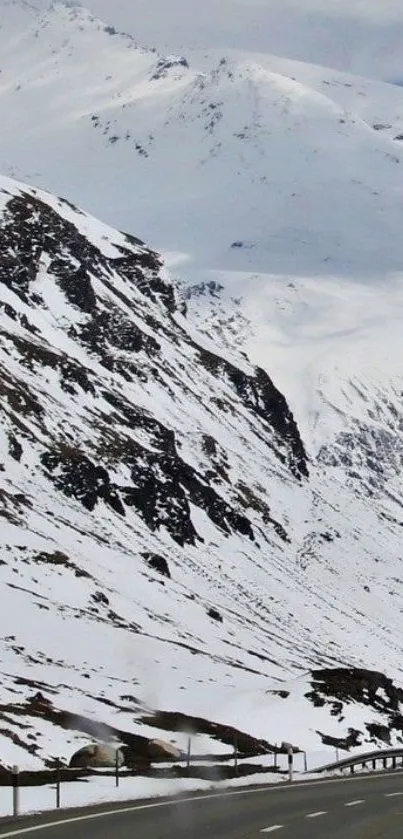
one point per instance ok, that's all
(363, 36)
(373, 10)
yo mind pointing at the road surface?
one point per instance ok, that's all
(369, 807)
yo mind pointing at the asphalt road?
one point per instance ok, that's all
(370, 807)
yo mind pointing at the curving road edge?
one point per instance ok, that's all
(342, 808)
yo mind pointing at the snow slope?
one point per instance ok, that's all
(290, 165)
(127, 438)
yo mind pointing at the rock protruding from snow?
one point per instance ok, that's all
(162, 749)
(98, 756)
(165, 65)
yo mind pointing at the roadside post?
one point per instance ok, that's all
(117, 767)
(16, 791)
(189, 751)
(305, 763)
(290, 765)
(290, 751)
(58, 783)
(236, 754)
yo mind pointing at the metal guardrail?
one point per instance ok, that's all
(367, 760)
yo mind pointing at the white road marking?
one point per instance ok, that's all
(273, 827)
(354, 803)
(392, 794)
(315, 815)
(174, 801)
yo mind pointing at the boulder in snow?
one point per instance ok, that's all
(97, 755)
(161, 749)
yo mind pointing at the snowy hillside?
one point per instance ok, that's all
(278, 155)
(166, 543)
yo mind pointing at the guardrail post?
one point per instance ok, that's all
(236, 754)
(394, 762)
(352, 769)
(384, 762)
(16, 791)
(117, 768)
(305, 763)
(290, 765)
(374, 764)
(189, 751)
(58, 783)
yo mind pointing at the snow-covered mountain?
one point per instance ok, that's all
(199, 153)
(138, 437)
(130, 449)
(166, 541)
(274, 183)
